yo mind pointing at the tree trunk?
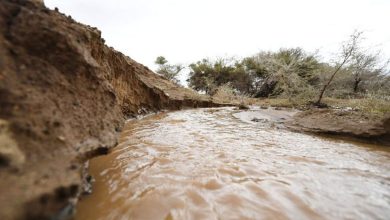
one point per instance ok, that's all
(329, 81)
(348, 50)
(356, 85)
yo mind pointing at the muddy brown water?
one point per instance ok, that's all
(222, 164)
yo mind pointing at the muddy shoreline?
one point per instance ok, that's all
(65, 96)
(337, 123)
(343, 123)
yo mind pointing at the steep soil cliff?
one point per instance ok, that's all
(64, 96)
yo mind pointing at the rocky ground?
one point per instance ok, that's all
(64, 97)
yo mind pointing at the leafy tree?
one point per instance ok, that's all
(201, 76)
(284, 72)
(206, 75)
(295, 74)
(267, 73)
(167, 70)
(160, 60)
(365, 66)
(348, 50)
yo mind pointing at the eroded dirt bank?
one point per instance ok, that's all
(345, 123)
(64, 95)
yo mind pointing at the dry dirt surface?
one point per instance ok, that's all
(343, 122)
(64, 96)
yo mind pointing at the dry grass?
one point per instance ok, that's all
(378, 107)
(367, 105)
(225, 94)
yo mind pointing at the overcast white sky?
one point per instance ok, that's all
(185, 31)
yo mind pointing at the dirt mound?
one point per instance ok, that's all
(344, 122)
(64, 96)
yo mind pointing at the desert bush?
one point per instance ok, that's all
(207, 75)
(282, 73)
(295, 75)
(225, 94)
(368, 104)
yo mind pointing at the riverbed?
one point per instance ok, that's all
(223, 163)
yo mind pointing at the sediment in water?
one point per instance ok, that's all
(64, 96)
(225, 165)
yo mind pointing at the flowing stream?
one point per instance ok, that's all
(228, 164)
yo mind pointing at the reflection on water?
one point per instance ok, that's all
(220, 164)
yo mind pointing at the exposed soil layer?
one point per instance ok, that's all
(64, 96)
(345, 123)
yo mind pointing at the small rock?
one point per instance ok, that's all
(10, 154)
(263, 120)
(76, 103)
(61, 138)
(73, 167)
(341, 113)
(243, 107)
(56, 123)
(89, 179)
